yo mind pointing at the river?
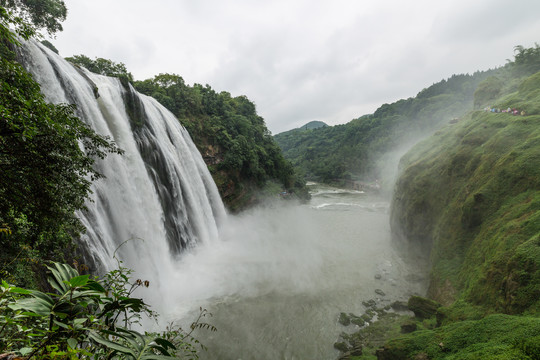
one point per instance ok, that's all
(282, 273)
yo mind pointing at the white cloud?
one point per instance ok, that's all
(301, 60)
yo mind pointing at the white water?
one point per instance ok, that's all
(282, 274)
(275, 278)
(158, 197)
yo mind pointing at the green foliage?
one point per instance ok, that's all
(45, 174)
(487, 91)
(27, 17)
(102, 66)
(527, 60)
(86, 318)
(353, 150)
(526, 97)
(493, 337)
(232, 138)
(49, 45)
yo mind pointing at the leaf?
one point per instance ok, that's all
(38, 306)
(156, 357)
(111, 345)
(79, 281)
(85, 293)
(94, 285)
(20, 291)
(25, 351)
(61, 324)
(164, 343)
(60, 275)
(72, 343)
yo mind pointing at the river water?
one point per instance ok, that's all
(283, 272)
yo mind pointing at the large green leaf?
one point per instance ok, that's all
(79, 281)
(35, 305)
(20, 291)
(61, 274)
(110, 344)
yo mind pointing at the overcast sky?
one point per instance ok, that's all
(303, 60)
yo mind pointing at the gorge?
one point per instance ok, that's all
(276, 277)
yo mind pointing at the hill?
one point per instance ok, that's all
(362, 149)
(468, 201)
(313, 125)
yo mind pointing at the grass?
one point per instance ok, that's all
(495, 336)
(470, 196)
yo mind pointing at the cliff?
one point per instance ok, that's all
(469, 196)
(468, 202)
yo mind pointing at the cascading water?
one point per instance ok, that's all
(279, 275)
(158, 197)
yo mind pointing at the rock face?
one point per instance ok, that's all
(423, 308)
(408, 326)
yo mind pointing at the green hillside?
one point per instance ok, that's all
(313, 125)
(356, 150)
(469, 198)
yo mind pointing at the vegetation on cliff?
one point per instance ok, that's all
(233, 139)
(469, 197)
(243, 158)
(45, 176)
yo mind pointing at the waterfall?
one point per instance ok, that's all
(158, 198)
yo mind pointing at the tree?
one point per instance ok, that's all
(28, 16)
(102, 66)
(45, 176)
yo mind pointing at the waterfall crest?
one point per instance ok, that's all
(159, 195)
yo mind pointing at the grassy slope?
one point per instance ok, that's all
(471, 194)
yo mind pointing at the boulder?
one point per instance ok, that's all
(408, 326)
(344, 319)
(423, 308)
(341, 346)
(370, 303)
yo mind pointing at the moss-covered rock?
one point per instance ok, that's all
(423, 308)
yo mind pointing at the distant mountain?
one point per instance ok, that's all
(368, 148)
(363, 149)
(313, 125)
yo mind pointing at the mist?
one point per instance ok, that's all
(281, 274)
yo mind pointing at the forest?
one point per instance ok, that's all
(356, 150)
(241, 154)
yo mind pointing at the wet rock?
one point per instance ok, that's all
(341, 346)
(399, 306)
(356, 351)
(344, 319)
(370, 303)
(423, 308)
(357, 320)
(408, 326)
(379, 292)
(367, 317)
